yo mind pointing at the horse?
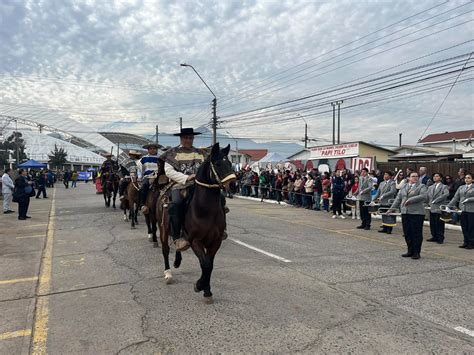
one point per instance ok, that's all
(204, 221)
(131, 201)
(110, 187)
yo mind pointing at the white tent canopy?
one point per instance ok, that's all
(272, 158)
(39, 145)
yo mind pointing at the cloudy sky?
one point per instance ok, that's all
(115, 65)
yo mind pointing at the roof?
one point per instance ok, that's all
(255, 154)
(448, 136)
(272, 157)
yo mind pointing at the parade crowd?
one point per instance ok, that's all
(346, 194)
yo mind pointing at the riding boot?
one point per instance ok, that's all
(143, 195)
(175, 213)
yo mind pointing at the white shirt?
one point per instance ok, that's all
(7, 184)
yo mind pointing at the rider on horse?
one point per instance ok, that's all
(149, 165)
(108, 166)
(181, 166)
(131, 166)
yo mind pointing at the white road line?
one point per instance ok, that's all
(260, 250)
(465, 331)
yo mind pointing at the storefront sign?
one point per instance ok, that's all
(357, 164)
(335, 151)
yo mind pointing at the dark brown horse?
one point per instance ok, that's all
(131, 202)
(110, 188)
(204, 222)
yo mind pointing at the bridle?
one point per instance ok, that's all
(220, 181)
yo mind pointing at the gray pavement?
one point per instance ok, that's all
(337, 289)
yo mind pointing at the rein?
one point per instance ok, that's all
(220, 182)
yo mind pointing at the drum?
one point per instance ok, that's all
(388, 219)
(351, 202)
(372, 207)
(445, 214)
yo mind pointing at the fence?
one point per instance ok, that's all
(445, 168)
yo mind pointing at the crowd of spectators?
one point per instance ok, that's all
(324, 191)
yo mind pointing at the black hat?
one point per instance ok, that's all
(151, 145)
(187, 132)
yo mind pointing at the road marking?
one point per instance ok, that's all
(32, 236)
(15, 334)
(36, 225)
(14, 281)
(40, 325)
(260, 250)
(465, 331)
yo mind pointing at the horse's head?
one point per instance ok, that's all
(221, 167)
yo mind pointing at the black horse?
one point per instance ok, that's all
(204, 222)
(110, 188)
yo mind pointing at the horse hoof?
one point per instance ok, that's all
(155, 244)
(132, 227)
(168, 277)
(208, 300)
(177, 264)
(125, 218)
(150, 237)
(196, 289)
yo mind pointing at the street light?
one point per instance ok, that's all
(214, 104)
(305, 130)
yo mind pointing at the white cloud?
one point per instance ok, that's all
(106, 61)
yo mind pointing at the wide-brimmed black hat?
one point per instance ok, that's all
(151, 145)
(187, 132)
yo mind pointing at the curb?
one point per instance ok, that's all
(399, 220)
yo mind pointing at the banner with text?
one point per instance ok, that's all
(357, 164)
(335, 151)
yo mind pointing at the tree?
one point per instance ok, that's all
(57, 157)
(11, 143)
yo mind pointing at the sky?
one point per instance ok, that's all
(115, 66)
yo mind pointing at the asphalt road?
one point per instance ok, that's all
(76, 279)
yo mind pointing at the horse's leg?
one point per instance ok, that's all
(115, 195)
(177, 260)
(132, 217)
(136, 212)
(148, 226)
(154, 237)
(203, 284)
(165, 248)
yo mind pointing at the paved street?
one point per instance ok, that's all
(76, 279)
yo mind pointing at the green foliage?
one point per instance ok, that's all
(11, 144)
(57, 157)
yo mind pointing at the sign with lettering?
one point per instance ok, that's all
(335, 151)
(357, 164)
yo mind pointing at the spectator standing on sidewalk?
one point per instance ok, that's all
(318, 188)
(309, 191)
(278, 187)
(354, 192)
(41, 182)
(74, 177)
(7, 191)
(326, 183)
(337, 194)
(66, 178)
(22, 192)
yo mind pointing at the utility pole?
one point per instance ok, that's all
(156, 134)
(333, 104)
(306, 135)
(180, 123)
(16, 145)
(214, 120)
(399, 139)
(339, 121)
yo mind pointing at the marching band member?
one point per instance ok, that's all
(437, 195)
(386, 192)
(365, 188)
(464, 198)
(410, 201)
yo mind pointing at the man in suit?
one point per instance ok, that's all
(386, 192)
(437, 195)
(365, 189)
(410, 200)
(464, 198)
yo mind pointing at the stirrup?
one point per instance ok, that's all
(226, 209)
(224, 235)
